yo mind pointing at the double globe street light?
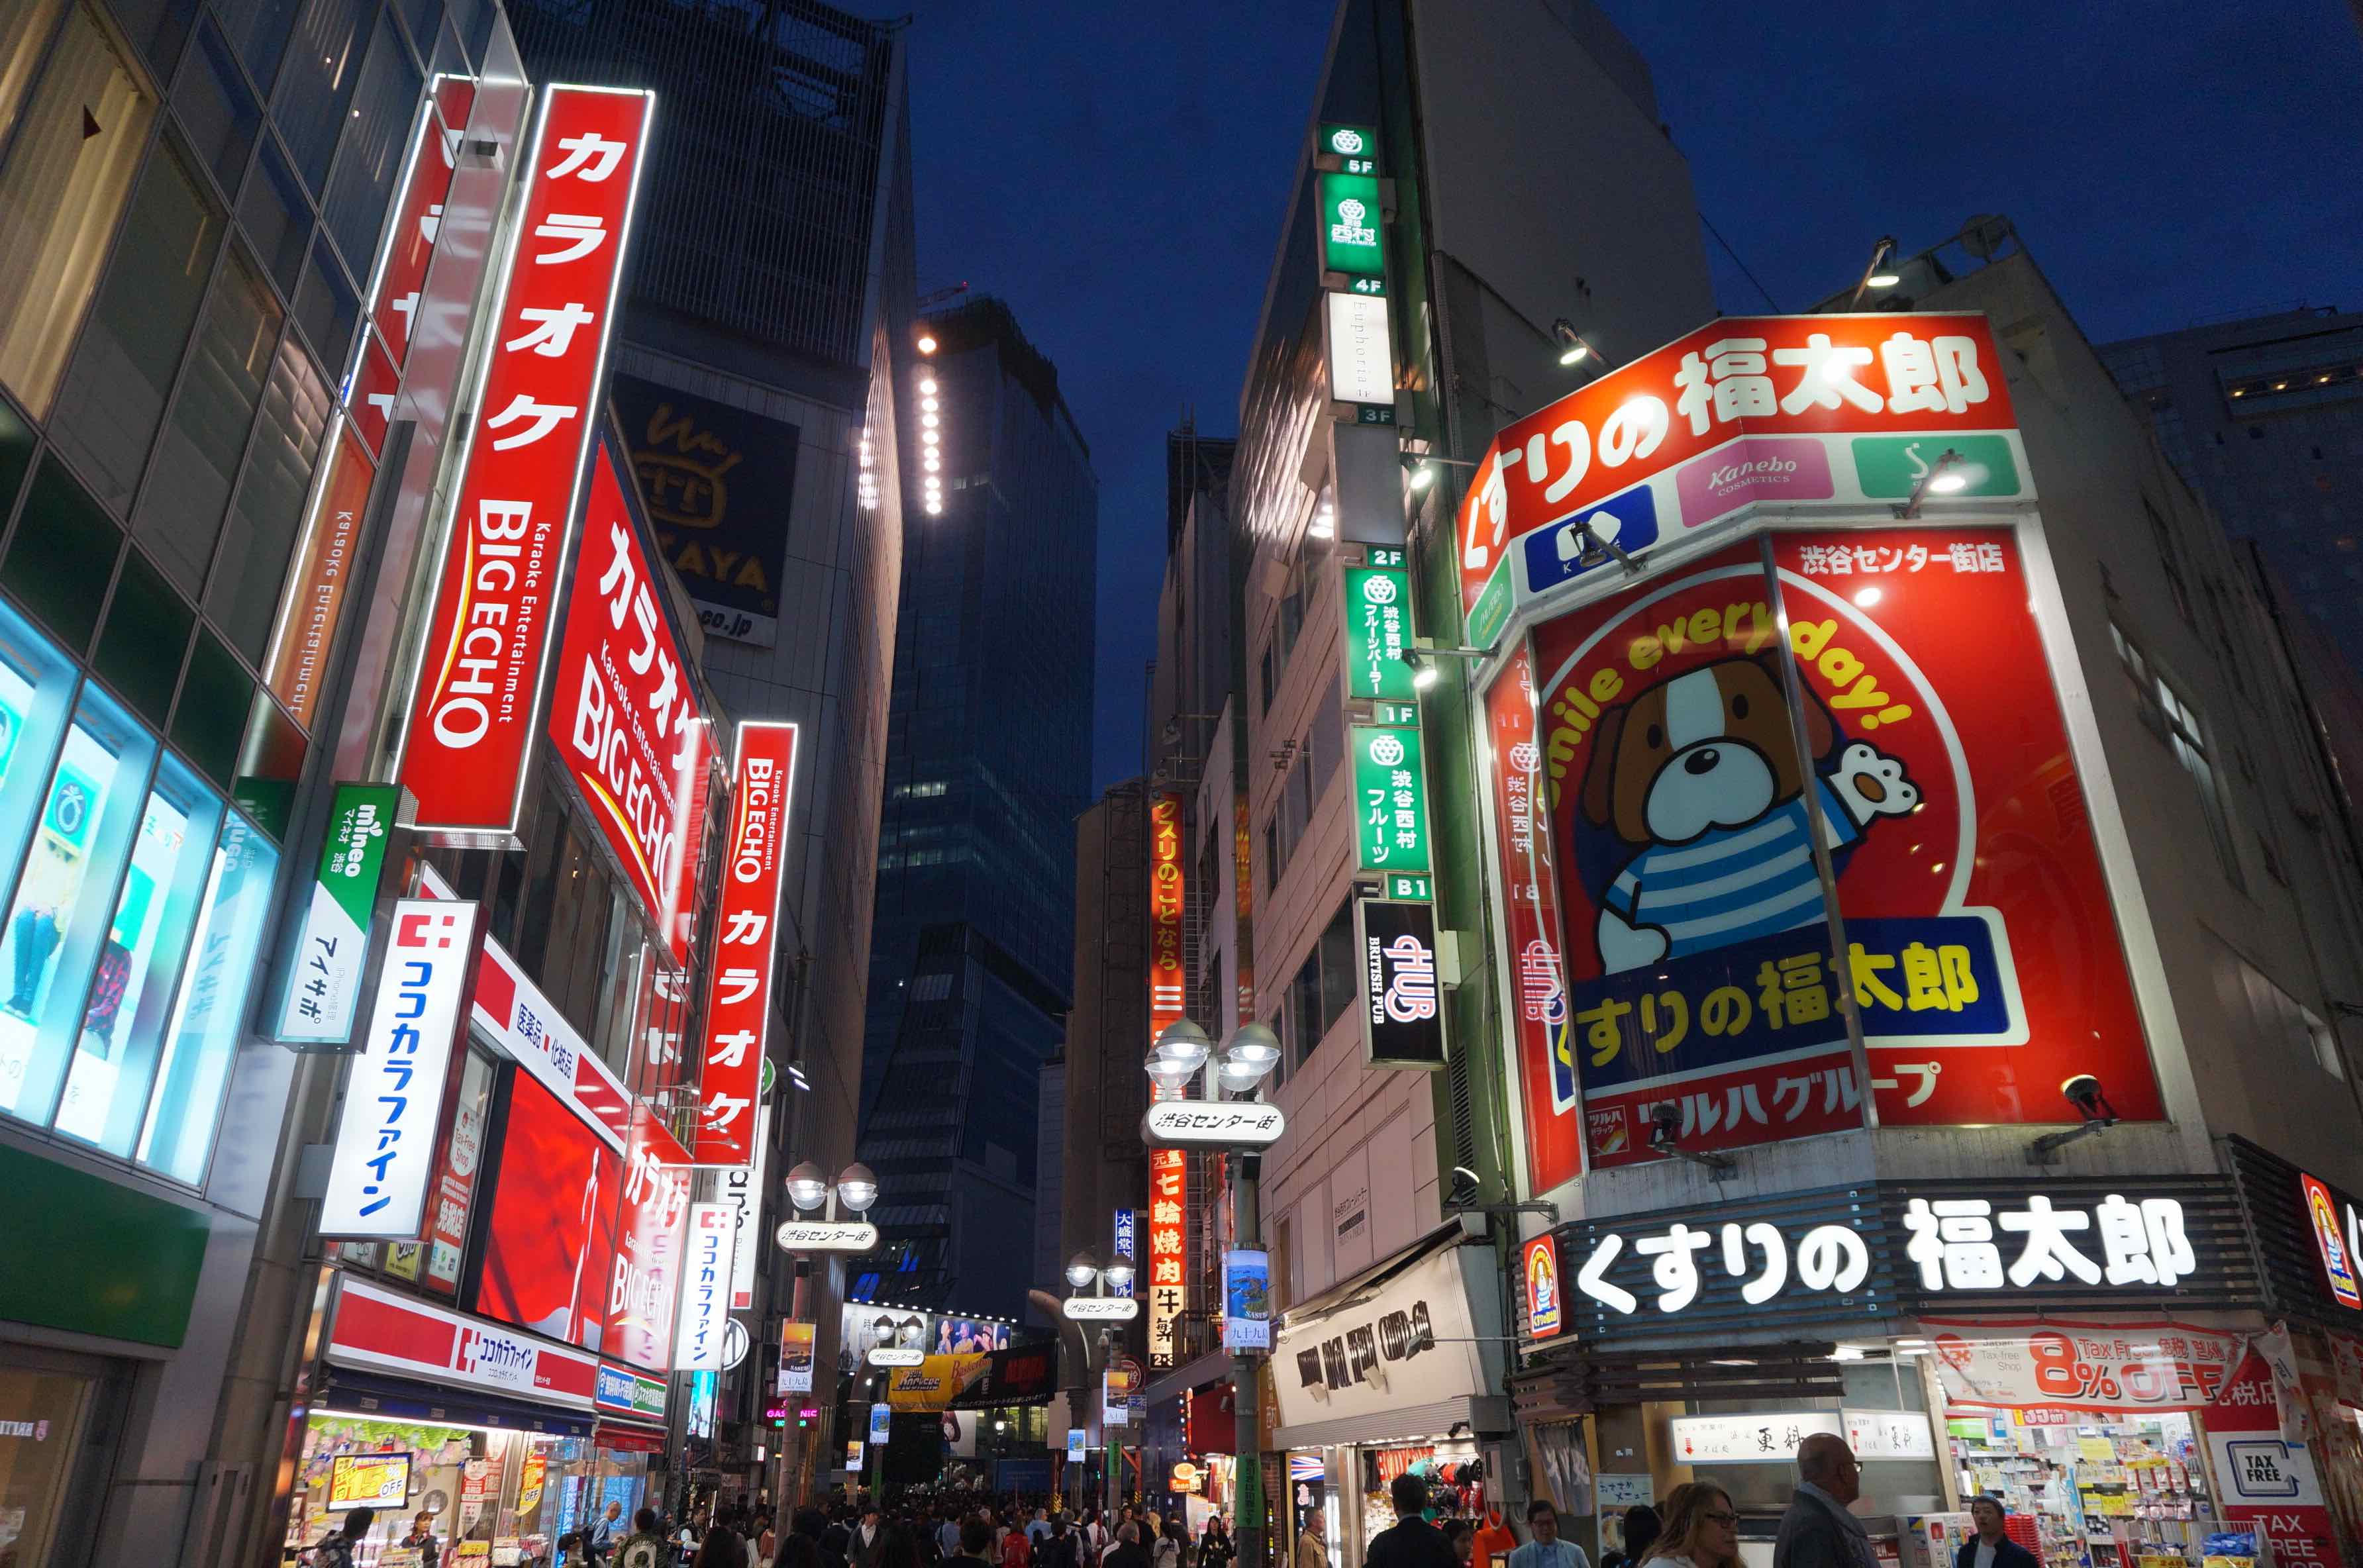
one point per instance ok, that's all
(855, 1190)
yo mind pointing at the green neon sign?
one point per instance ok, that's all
(1390, 801)
(1349, 226)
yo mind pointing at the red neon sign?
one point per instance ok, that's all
(739, 994)
(623, 711)
(477, 685)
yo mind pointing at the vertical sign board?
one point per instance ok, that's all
(1127, 1247)
(1545, 1308)
(1403, 1018)
(738, 995)
(797, 1340)
(387, 1132)
(476, 694)
(1390, 800)
(705, 1290)
(1246, 1300)
(1169, 1179)
(742, 1191)
(1362, 350)
(1349, 226)
(1544, 1052)
(324, 989)
(1378, 629)
(624, 713)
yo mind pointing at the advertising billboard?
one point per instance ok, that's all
(369, 1480)
(387, 1132)
(475, 696)
(550, 1229)
(324, 989)
(1746, 410)
(718, 481)
(1690, 830)
(1168, 1169)
(966, 1336)
(624, 715)
(738, 1000)
(796, 1355)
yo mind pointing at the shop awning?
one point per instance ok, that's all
(1578, 1383)
(637, 1440)
(1389, 1355)
(398, 1399)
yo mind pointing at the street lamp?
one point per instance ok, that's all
(1238, 1123)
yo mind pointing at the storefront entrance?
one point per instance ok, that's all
(58, 1417)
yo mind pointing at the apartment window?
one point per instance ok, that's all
(376, 134)
(2169, 558)
(1324, 988)
(68, 173)
(62, 556)
(215, 108)
(2275, 1018)
(310, 107)
(112, 400)
(23, 28)
(268, 509)
(277, 216)
(1267, 680)
(259, 28)
(180, 515)
(2172, 718)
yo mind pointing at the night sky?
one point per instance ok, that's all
(1118, 174)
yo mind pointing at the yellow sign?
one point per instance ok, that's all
(529, 1483)
(935, 1382)
(1185, 1477)
(2100, 1450)
(369, 1480)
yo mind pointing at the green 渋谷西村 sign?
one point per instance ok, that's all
(1892, 465)
(1378, 630)
(1390, 800)
(1355, 145)
(324, 988)
(1349, 226)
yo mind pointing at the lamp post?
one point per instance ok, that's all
(1180, 1054)
(855, 1189)
(1090, 1302)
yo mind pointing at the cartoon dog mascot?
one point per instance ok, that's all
(1700, 770)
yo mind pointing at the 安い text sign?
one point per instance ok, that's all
(477, 692)
(386, 1134)
(738, 1000)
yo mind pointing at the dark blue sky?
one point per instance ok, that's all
(1116, 172)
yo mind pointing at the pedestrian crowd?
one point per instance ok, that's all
(1693, 1526)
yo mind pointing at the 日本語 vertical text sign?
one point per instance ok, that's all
(324, 989)
(1168, 1182)
(623, 711)
(705, 1290)
(465, 750)
(1167, 981)
(384, 1159)
(1390, 800)
(738, 997)
(1349, 226)
(1378, 629)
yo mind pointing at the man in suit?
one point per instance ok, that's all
(1990, 1548)
(1817, 1531)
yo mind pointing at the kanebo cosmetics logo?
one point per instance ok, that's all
(1349, 228)
(497, 1357)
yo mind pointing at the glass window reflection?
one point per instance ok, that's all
(107, 1086)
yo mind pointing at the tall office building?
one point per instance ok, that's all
(769, 319)
(2263, 417)
(971, 957)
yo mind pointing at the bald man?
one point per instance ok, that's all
(1817, 1531)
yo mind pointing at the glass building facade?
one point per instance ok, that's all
(192, 196)
(988, 766)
